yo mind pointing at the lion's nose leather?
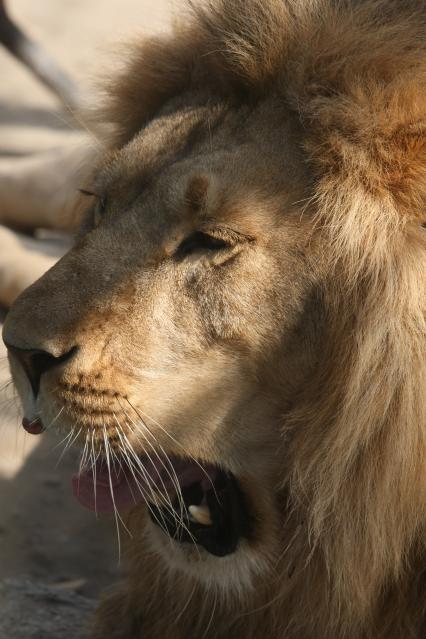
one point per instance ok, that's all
(36, 362)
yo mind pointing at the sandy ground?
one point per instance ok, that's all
(44, 534)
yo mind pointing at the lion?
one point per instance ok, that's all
(237, 337)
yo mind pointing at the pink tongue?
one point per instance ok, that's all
(103, 493)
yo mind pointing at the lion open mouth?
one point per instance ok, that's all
(191, 503)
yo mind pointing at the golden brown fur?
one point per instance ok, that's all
(320, 104)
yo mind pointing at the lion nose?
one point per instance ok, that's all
(36, 362)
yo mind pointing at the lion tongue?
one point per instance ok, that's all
(104, 491)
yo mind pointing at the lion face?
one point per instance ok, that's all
(162, 339)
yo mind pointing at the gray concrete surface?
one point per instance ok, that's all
(50, 612)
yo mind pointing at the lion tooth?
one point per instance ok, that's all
(201, 514)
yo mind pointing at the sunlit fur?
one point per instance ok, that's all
(302, 365)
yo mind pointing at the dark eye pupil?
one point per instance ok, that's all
(200, 242)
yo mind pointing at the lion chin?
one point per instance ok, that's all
(237, 338)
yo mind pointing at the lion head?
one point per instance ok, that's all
(237, 337)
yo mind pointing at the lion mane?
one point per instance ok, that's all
(354, 462)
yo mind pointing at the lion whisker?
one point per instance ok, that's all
(117, 515)
(211, 616)
(7, 402)
(178, 517)
(172, 475)
(174, 479)
(93, 464)
(74, 439)
(148, 479)
(143, 494)
(6, 385)
(106, 444)
(68, 446)
(84, 454)
(142, 470)
(185, 607)
(65, 439)
(55, 419)
(175, 441)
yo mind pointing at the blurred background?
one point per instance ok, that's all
(50, 548)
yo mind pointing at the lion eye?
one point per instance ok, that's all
(201, 242)
(99, 207)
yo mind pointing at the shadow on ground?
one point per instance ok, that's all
(45, 535)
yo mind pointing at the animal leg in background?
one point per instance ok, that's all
(40, 191)
(36, 59)
(37, 192)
